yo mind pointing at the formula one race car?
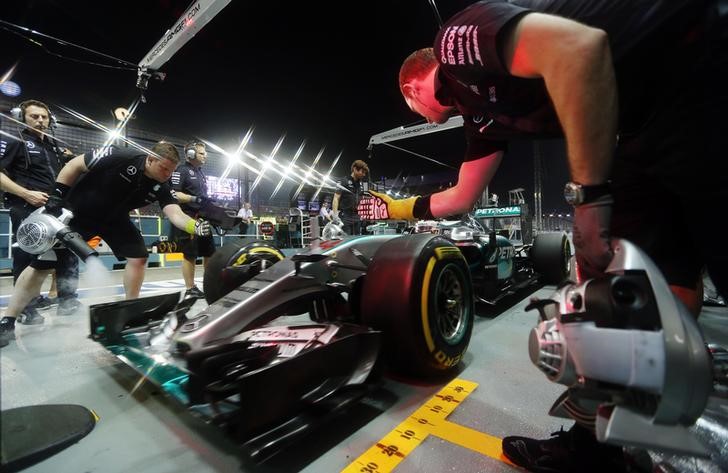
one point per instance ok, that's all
(402, 301)
(498, 266)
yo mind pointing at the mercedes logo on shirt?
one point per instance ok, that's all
(131, 170)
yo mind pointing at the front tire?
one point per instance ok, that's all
(235, 263)
(418, 292)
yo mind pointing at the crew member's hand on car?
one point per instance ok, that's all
(591, 237)
(384, 207)
(200, 199)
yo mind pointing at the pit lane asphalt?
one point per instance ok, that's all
(141, 430)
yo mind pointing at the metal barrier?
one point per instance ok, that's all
(6, 240)
(304, 221)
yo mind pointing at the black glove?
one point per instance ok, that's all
(201, 200)
(56, 199)
(55, 205)
(591, 237)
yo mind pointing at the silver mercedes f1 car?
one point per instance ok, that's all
(299, 337)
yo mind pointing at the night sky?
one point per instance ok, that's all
(324, 72)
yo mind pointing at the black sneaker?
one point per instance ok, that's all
(576, 450)
(30, 316)
(42, 302)
(69, 306)
(195, 292)
(7, 330)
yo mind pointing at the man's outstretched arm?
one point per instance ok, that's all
(473, 178)
(575, 63)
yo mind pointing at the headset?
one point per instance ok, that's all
(191, 151)
(18, 112)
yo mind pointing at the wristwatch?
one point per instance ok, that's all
(577, 194)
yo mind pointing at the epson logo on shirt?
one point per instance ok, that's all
(459, 45)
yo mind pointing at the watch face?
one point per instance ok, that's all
(572, 193)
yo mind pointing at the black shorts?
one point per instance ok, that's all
(122, 236)
(192, 246)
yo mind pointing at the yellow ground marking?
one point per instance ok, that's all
(429, 419)
(173, 257)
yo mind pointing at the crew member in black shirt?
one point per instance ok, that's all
(345, 204)
(638, 91)
(190, 187)
(30, 165)
(102, 187)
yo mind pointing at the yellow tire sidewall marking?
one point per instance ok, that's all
(259, 249)
(424, 304)
(441, 252)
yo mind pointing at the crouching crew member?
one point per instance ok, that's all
(115, 181)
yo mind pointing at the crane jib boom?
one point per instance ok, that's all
(186, 27)
(402, 132)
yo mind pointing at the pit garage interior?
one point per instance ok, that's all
(141, 429)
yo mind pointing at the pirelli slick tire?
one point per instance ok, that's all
(551, 257)
(234, 263)
(418, 292)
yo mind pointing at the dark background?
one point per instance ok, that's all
(323, 72)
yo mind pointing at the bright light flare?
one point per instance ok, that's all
(310, 172)
(107, 130)
(235, 158)
(268, 161)
(288, 170)
(326, 177)
(9, 73)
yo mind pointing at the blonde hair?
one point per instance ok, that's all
(166, 150)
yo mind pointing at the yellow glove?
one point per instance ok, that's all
(384, 207)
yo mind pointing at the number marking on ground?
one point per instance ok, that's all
(429, 419)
